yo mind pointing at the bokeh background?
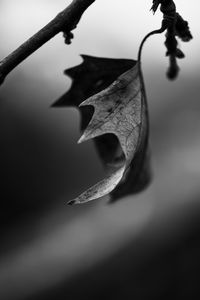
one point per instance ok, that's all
(142, 247)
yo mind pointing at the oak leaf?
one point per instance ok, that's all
(121, 110)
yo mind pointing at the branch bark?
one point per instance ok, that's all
(65, 21)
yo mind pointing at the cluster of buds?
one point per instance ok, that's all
(67, 32)
(68, 36)
(176, 26)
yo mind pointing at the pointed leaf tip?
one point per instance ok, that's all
(71, 202)
(81, 140)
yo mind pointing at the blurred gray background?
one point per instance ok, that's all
(144, 246)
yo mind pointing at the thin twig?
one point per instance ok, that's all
(64, 21)
(157, 31)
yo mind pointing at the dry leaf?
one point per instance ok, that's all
(121, 110)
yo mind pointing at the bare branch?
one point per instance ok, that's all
(65, 21)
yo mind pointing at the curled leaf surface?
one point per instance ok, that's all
(121, 110)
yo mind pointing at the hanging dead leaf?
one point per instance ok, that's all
(120, 109)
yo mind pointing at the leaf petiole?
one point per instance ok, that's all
(157, 31)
